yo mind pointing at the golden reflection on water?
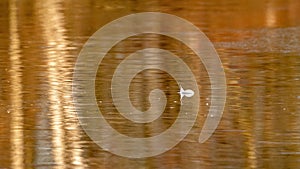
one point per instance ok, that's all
(259, 129)
(17, 121)
(59, 93)
(51, 23)
(270, 16)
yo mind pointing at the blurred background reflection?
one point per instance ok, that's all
(258, 43)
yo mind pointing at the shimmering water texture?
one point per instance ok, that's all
(98, 46)
(258, 44)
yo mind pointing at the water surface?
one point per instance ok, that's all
(259, 46)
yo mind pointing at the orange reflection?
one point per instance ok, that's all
(271, 18)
